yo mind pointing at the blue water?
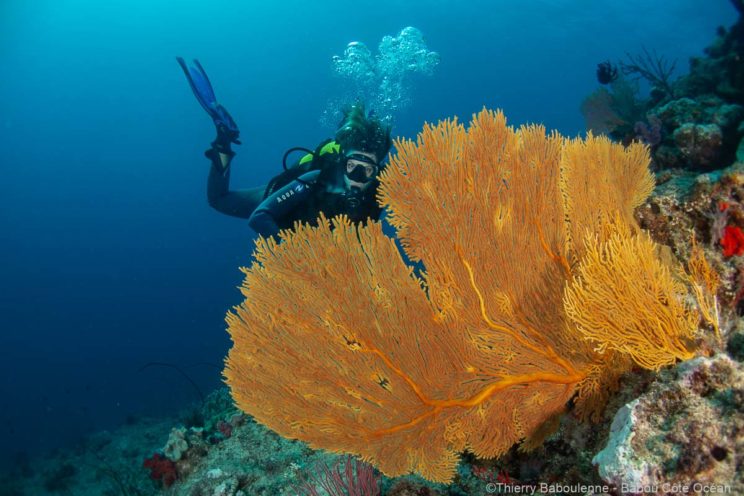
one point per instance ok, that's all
(110, 257)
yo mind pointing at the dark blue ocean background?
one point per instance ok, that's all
(110, 257)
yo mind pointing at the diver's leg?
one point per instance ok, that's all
(239, 203)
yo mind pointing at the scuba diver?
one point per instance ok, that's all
(338, 177)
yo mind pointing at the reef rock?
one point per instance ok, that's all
(699, 144)
(685, 432)
(701, 134)
(176, 445)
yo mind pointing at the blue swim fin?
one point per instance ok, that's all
(202, 88)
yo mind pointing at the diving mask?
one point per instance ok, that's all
(360, 168)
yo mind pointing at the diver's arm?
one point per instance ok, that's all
(281, 203)
(240, 203)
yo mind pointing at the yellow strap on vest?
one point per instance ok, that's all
(330, 147)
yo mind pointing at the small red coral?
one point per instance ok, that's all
(732, 241)
(225, 429)
(161, 469)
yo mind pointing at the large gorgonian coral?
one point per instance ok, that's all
(338, 343)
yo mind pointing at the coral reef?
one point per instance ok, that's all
(699, 133)
(104, 464)
(695, 122)
(60, 478)
(710, 206)
(720, 71)
(662, 431)
(538, 289)
(685, 431)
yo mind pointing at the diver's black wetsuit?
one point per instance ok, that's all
(300, 200)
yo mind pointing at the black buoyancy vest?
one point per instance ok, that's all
(325, 158)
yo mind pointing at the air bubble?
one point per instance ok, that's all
(384, 81)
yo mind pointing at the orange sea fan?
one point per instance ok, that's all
(338, 343)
